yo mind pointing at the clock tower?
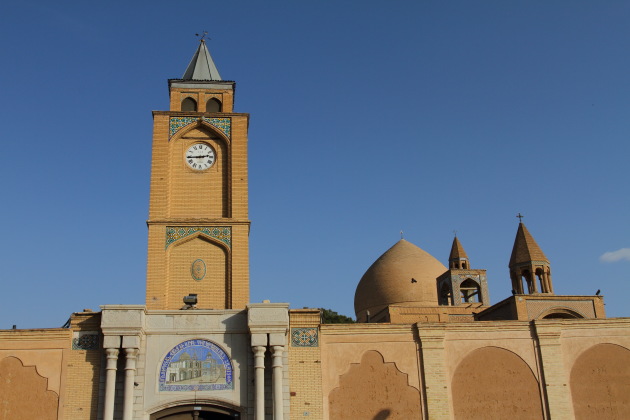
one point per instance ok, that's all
(198, 211)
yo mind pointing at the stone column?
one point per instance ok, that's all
(110, 382)
(259, 381)
(268, 324)
(130, 375)
(278, 367)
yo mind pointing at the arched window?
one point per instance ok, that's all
(470, 290)
(531, 287)
(189, 104)
(539, 280)
(445, 295)
(213, 105)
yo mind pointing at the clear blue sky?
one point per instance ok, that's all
(367, 118)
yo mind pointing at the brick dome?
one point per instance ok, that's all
(404, 274)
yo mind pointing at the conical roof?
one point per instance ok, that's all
(404, 274)
(201, 67)
(457, 251)
(525, 247)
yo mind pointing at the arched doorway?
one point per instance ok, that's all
(196, 412)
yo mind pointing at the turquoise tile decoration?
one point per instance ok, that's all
(222, 124)
(175, 233)
(198, 269)
(304, 337)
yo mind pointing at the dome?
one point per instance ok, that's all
(390, 280)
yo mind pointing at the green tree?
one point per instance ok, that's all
(331, 317)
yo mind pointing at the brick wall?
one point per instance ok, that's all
(305, 374)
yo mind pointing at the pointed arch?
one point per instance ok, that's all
(199, 124)
(470, 291)
(214, 291)
(216, 126)
(201, 234)
(214, 105)
(212, 186)
(189, 105)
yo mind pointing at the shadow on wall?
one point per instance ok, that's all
(382, 415)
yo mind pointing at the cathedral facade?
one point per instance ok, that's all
(427, 343)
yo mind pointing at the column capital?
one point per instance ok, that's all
(112, 353)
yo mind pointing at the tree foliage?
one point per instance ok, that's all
(331, 317)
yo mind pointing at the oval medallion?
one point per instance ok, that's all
(198, 270)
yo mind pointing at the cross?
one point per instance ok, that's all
(401, 235)
(520, 217)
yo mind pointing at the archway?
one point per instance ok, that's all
(196, 412)
(492, 383)
(600, 383)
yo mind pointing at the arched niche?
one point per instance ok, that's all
(189, 105)
(214, 105)
(561, 313)
(492, 383)
(600, 383)
(211, 187)
(214, 288)
(24, 393)
(374, 389)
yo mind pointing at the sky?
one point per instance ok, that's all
(368, 118)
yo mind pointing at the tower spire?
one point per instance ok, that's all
(529, 262)
(458, 257)
(201, 66)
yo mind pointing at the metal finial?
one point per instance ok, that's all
(202, 36)
(455, 233)
(401, 235)
(520, 217)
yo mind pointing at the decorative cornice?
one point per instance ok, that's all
(220, 233)
(222, 124)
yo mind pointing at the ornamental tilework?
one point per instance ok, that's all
(304, 337)
(175, 233)
(177, 123)
(85, 341)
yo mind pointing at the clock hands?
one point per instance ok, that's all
(197, 157)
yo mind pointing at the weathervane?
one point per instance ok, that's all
(520, 217)
(202, 36)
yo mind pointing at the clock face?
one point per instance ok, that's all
(200, 156)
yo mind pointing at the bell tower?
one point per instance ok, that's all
(462, 285)
(198, 210)
(529, 263)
